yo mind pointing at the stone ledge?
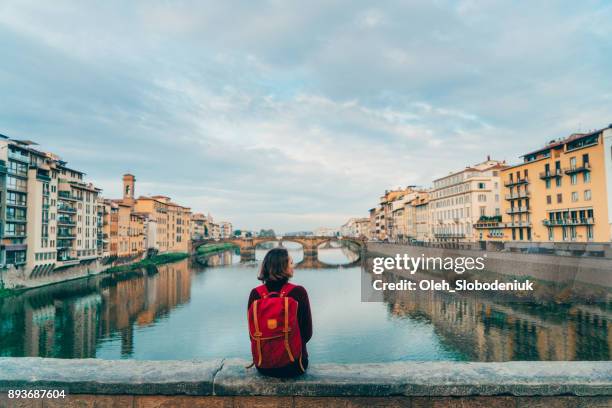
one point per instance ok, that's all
(93, 376)
(230, 378)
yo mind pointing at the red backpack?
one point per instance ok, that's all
(274, 330)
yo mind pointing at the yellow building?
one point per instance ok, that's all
(561, 192)
(171, 221)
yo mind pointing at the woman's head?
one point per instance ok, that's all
(276, 266)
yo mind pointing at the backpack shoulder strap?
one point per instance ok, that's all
(262, 290)
(287, 287)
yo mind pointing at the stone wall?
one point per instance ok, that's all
(586, 270)
(21, 277)
(226, 383)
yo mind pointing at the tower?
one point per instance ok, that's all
(128, 188)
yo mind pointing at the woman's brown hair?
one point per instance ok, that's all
(275, 265)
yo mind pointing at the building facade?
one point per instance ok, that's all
(49, 214)
(225, 229)
(561, 192)
(461, 199)
(199, 226)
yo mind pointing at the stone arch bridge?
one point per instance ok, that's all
(310, 245)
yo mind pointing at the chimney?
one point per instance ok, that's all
(129, 182)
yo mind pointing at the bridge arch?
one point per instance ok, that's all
(310, 245)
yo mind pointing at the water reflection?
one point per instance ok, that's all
(492, 330)
(186, 311)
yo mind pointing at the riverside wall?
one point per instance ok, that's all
(226, 383)
(24, 278)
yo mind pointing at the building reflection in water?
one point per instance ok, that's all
(72, 320)
(69, 322)
(487, 329)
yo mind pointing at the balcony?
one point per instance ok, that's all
(573, 170)
(65, 195)
(518, 224)
(16, 155)
(66, 235)
(21, 189)
(568, 222)
(65, 221)
(545, 175)
(517, 182)
(66, 209)
(14, 234)
(517, 210)
(16, 219)
(449, 235)
(17, 172)
(522, 194)
(488, 224)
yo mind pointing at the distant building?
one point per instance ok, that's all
(356, 228)
(326, 232)
(148, 223)
(458, 201)
(225, 229)
(199, 226)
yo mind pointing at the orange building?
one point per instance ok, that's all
(560, 192)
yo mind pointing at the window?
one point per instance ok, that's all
(481, 186)
(586, 177)
(573, 162)
(587, 195)
(558, 181)
(551, 235)
(548, 183)
(589, 232)
(574, 179)
(559, 198)
(483, 211)
(573, 233)
(482, 198)
(548, 199)
(574, 196)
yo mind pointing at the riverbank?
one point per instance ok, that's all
(17, 281)
(223, 382)
(6, 292)
(210, 249)
(155, 260)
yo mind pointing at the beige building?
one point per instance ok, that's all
(50, 214)
(356, 228)
(225, 230)
(461, 199)
(422, 217)
(199, 226)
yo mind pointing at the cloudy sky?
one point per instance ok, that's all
(294, 115)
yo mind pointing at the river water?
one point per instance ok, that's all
(188, 311)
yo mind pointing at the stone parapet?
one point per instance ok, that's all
(102, 383)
